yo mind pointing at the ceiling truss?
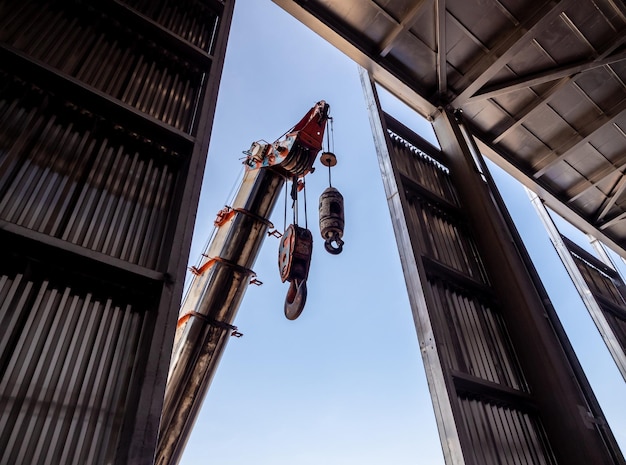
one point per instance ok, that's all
(540, 84)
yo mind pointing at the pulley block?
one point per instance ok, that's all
(331, 220)
(294, 261)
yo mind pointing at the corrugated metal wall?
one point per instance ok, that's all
(105, 118)
(609, 292)
(96, 46)
(506, 386)
(67, 381)
(473, 339)
(66, 176)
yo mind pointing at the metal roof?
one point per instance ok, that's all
(541, 85)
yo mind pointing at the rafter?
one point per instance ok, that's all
(454, 20)
(547, 96)
(585, 135)
(552, 74)
(506, 12)
(582, 188)
(442, 70)
(508, 162)
(506, 49)
(619, 9)
(612, 221)
(526, 113)
(358, 47)
(610, 201)
(404, 25)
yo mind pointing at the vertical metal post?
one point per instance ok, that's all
(600, 249)
(396, 200)
(597, 314)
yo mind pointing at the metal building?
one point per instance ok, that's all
(105, 116)
(505, 382)
(106, 111)
(539, 87)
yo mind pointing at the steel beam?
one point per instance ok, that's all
(404, 25)
(505, 50)
(358, 48)
(544, 76)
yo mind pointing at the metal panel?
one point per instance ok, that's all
(607, 288)
(599, 285)
(110, 59)
(477, 302)
(77, 183)
(67, 361)
(105, 118)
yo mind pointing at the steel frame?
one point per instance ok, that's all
(477, 301)
(599, 285)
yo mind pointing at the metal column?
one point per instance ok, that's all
(505, 383)
(600, 287)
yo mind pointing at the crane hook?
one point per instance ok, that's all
(334, 244)
(295, 299)
(331, 220)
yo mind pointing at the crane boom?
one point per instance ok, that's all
(209, 309)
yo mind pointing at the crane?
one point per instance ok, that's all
(206, 317)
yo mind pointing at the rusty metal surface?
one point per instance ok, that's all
(541, 84)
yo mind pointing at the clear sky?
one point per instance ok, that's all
(344, 383)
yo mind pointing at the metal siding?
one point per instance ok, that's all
(119, 63)
(88, 187)
(606, 288)
(479, 341)
(477, 303)
(504, 435)
(105, 118)
(473, 338)
(67, 360)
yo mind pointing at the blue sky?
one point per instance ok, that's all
(344, 383)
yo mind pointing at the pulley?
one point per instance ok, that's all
(331, 212)
(294, 261)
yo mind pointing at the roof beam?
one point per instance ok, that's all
(404, 25)
(506, 49)
(355, 45)
(612, 221)
(467, 32)
(619, 9)
(529, 110)
(507, 162)
(583, 187)
(442, 60)
(585, 135)
(532, 107)
(546, 76)
(506, 12)
(610, 201)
